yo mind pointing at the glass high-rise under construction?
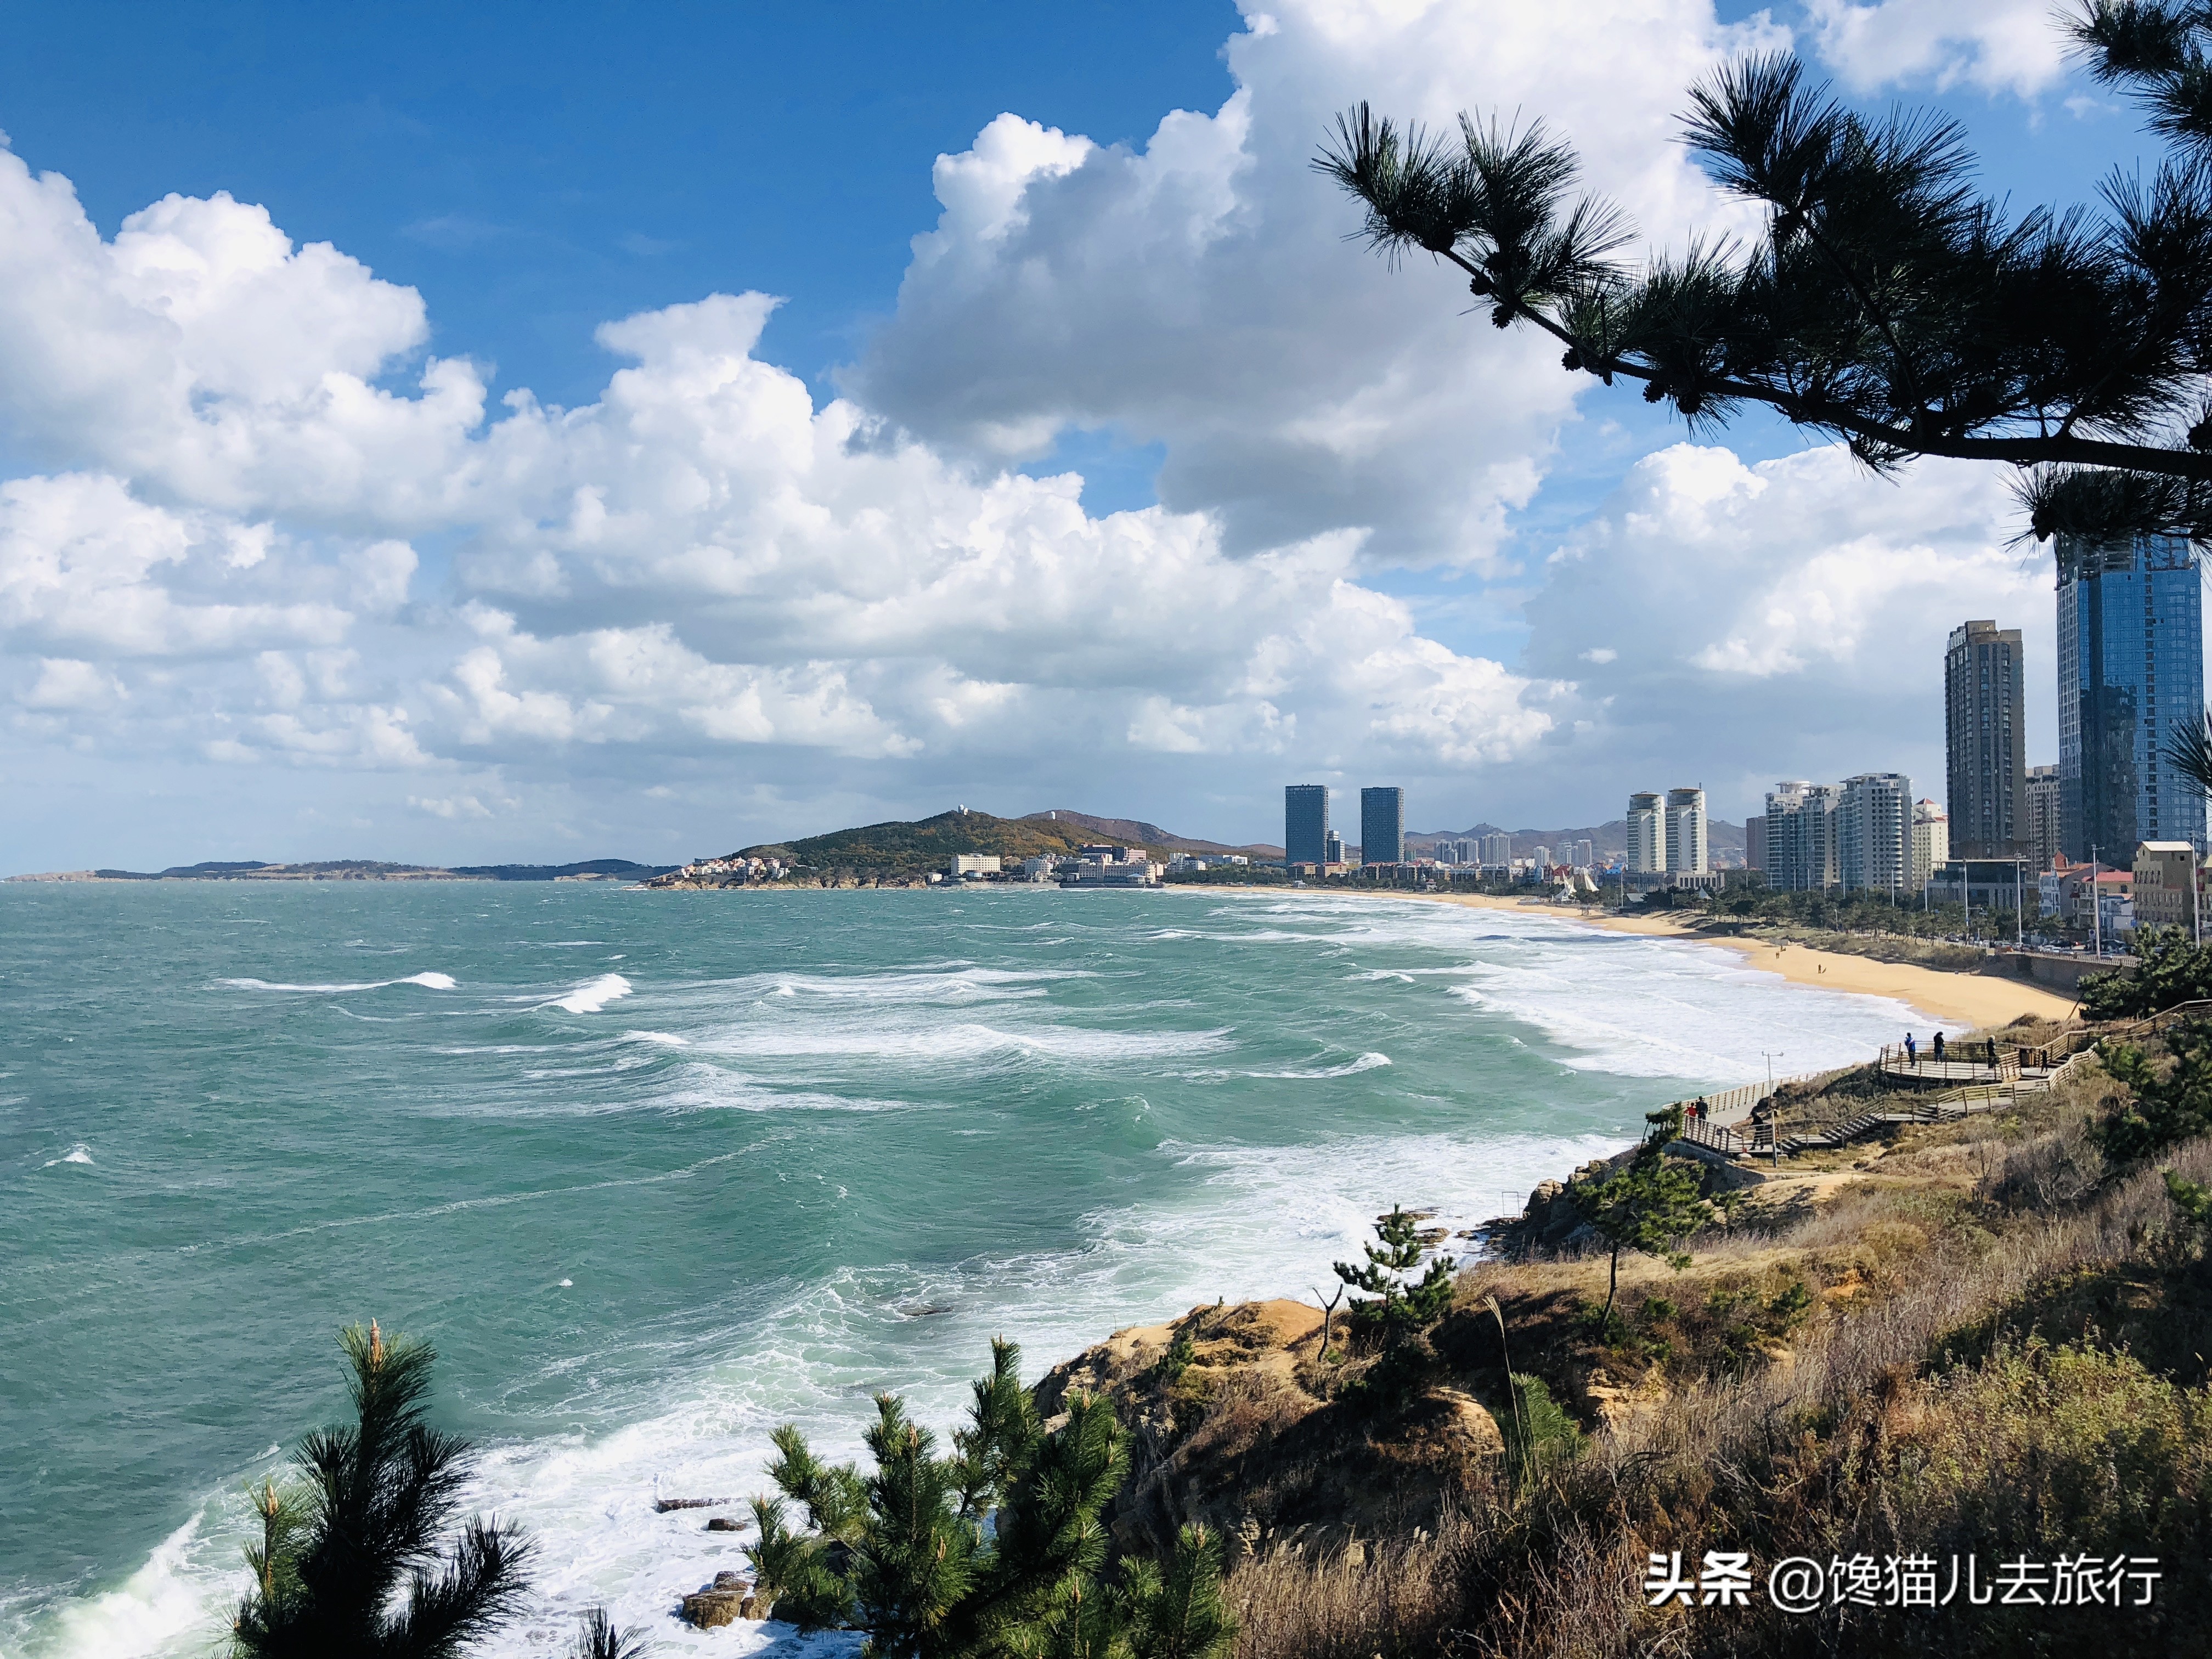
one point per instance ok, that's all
(2131, 679)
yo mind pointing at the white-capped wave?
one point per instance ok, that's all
(968, 1039)
(428, 981)
(593, 994)
(79, 1153)
(1366, 1062)
(664, 1039)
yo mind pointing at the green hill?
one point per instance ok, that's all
(911, 848)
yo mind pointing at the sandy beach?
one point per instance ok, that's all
(1971, 1000)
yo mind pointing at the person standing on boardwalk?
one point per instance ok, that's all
(1912, 1050)
(1939, 1047)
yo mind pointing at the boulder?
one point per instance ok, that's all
(726, 1523)
(723, 1602)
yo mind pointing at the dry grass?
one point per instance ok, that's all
(1924, 1400)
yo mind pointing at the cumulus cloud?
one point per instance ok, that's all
(1995, 46)
(700, 561)
(1782, 619)
(702, 589)
(1199, 293)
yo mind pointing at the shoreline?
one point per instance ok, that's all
(1977, 1000)
(1967, 1001)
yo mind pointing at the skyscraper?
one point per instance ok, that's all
(1497, 848)
(1686, 833)
(2043, 816)
(1585, 854)
(1382, 826)
(1985, 740)
(2131, 679)
(1647, 841)
(1306, 823)
(1755, 842)
(1873, 832)
(1800, 835)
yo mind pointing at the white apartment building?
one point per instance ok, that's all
(1931, 840)
(1800, 835)
(1686, 833)
(1498, 849)
(1873, 832)
(1647, 841)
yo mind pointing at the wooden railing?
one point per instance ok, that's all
(2019, 1070)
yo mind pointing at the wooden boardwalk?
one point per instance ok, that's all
(2020, 1070)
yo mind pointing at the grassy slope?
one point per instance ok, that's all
(1976, 1340)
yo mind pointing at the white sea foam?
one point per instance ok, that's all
(937, 1044)
(1366, 1062)
(428, 981)
(593, 994)
(78, 1154)
(662, 1038)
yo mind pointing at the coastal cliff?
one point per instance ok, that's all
(1930, 1344)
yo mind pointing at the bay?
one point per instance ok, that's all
(659, 1172)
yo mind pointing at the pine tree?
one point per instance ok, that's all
(2159, 1109)
(367, 1521)
(1885, 303)
(599, 1638)
(1397, 1303)
(997, 1552)
(1648, 1205)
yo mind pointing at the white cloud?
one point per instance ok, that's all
(1787, 618)
(1200, 292)
(1995, 46)
(64, 683)
(450, 807)
(703, 588)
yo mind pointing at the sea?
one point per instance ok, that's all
(658, 1171)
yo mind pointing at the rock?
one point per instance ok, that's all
(728, 1598)
(750, 1608)
(726, 1523)
(662, 1505)
(1467, 1422)
(710, 1609)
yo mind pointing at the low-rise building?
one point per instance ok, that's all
(960, 865)
(2166, 887)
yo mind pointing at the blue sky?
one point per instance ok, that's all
(1523, 600)
(535, 170)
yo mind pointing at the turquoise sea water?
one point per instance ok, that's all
(658, 1171)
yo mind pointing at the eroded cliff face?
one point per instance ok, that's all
(1239, 1422)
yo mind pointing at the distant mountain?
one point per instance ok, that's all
(1137, 831)
(912, 847)
(372, 870)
